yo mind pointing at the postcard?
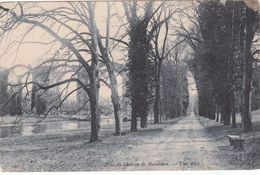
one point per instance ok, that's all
(90, 86)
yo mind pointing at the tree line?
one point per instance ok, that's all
(223, 39)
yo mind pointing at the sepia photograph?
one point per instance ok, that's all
(129, 85)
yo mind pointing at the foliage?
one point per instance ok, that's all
(174, 86)
(4, 96)
(40, 105)
(16, 104)
(141, 80)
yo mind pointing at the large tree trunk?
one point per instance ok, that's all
(94, 105)
(217, 117)
(221, 116)
(112, 85)
(111, 72)
(225, 114)
(114, 98)
(4, 107)
(134, 114)
(247, 123)
(233, 112)
(248, 35)
(226, 107)
(94, 77)
(156, 108)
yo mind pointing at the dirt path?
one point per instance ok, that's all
(181, 144)
(184, 145)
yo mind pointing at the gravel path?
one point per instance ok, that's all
(182, 146)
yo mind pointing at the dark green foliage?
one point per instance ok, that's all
(141, 84)
(215, 55)
(16, 104)
(174, 87)
(33, 97)
(249, 25)
(40, 105)
(256, 88)
(13, 106)
(19, 108)
(206, 100)
(227, 32)
(4, 107)
(217, 30)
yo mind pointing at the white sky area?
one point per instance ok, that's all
(33, 53)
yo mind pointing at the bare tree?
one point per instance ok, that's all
(71, 42)
(106, 57)
(161, 50)
(175, 97)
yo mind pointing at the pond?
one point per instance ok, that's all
(48, 127)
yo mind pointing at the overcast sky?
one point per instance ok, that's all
(31, 53)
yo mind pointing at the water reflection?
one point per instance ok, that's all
(50, 127)
(27, 130)
(69, 126)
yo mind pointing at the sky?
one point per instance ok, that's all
(31, 53)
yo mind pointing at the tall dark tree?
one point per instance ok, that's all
(16, 103)
(140, 85)
(250, 23)
(4, 92)
(40, 105)
(215, 36)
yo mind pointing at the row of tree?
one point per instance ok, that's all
(222, 40)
